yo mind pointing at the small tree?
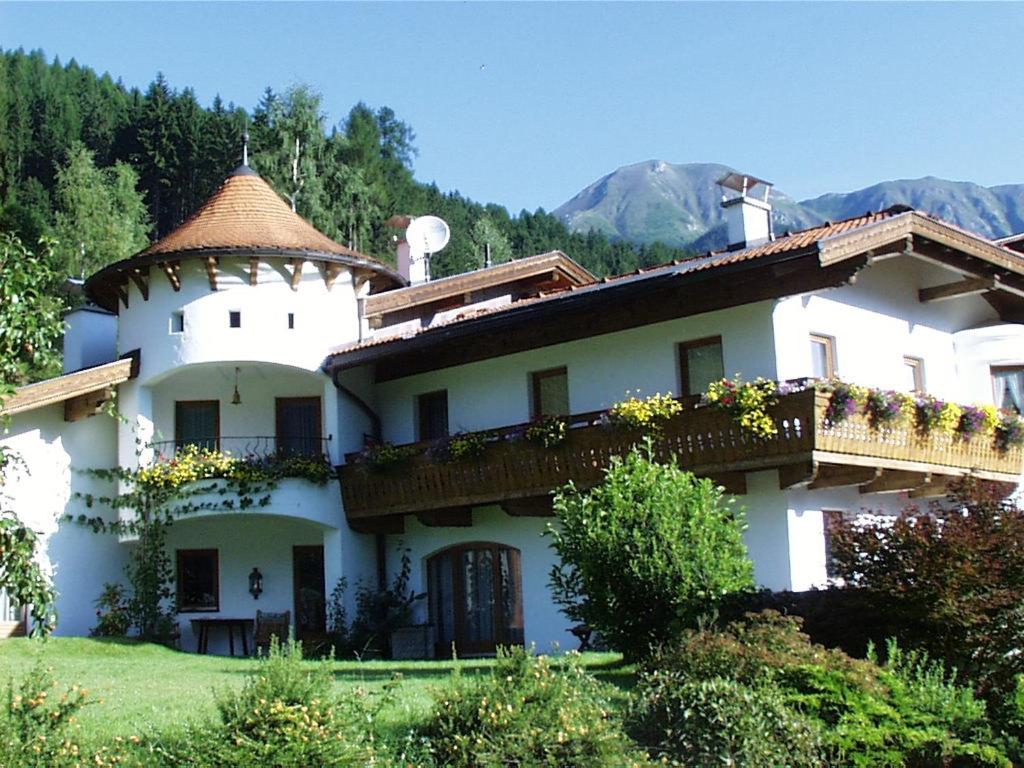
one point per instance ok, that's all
(647, 552)
(950, 578)
(29, 328)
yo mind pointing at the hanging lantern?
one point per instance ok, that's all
(255, 583)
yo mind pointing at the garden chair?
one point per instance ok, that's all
(269, 625)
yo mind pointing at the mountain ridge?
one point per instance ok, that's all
(678, 204)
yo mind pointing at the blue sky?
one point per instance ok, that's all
(525, 104)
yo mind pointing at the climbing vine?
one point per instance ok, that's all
(152, 497)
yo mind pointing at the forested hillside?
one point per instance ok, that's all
(104, 168)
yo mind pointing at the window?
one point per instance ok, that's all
(830, 521)
(432, 410)
(1008, 386)
(476, 601)
(549, 392)
(700, 363)
(234, 319)
(291, 321)
(913, 374)
(198, 579)
(298, 426)
(823, 356)
(177, 322)
(197, 422)
(10, 611)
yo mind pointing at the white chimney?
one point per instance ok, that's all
(90, 338)
(413, 265)
(748, 214)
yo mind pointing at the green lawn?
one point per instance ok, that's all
(143, 686)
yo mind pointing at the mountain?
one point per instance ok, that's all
(678, 205)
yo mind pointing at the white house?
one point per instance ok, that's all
(248, 330)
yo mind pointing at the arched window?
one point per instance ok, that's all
(476, 598)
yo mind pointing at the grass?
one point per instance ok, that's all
(139, 687)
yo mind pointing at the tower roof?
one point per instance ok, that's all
(244, 217)
(246, 213)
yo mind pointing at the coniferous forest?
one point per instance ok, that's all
(103, 169)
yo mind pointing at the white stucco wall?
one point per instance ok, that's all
(879, 320)
(244, 541)
(79, 560)
(259, 384)
(323, 318)
(543, 624)
(496, 392)
(978, 349)
(90, 338)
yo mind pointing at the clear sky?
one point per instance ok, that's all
(525, 104)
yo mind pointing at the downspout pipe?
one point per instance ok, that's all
(380, 542)
(375, 429)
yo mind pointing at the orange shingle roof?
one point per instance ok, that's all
(246, 213)
(816, 238)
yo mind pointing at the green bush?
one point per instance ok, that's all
(645, 553)
(720, 722)
(35, 724)
(528, 712)
(284, 715)
(907, 712)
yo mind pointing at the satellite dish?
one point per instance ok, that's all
(428, 234)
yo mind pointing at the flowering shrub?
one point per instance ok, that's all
(459, 447)
(194, 463)
(113, 612)
(974, 420)
(647, 413)
(846, 401)
(886, 408)
(384, 456)
(1009, 432)
(529, 711)
(748, 402)
(549, 431)
(34, 722)
(285, 714)
(934, 415)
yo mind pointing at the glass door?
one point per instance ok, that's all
(475, 598)
(310, 594)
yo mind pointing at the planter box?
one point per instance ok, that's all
(411, 642)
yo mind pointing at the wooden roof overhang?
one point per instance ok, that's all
(82, 392)
(709, 283)
(544, 272)
(594, 310)
(108, 288)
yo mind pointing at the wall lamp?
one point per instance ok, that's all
(255, 583)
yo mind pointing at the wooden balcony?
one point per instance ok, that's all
(808, 451)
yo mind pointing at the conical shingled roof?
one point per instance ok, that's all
(245, 217)
(246, 213)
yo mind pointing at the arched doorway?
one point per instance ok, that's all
(476, 598)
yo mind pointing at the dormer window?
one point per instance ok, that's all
(234, 319)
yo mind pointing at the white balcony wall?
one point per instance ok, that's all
(262, 541)
(879, 320)
(322, 318)
(53, 452)
(496, 392)
(259, 384)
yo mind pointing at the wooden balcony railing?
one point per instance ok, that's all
(705, 441)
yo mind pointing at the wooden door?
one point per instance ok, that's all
(475, 598)
(310, 594)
